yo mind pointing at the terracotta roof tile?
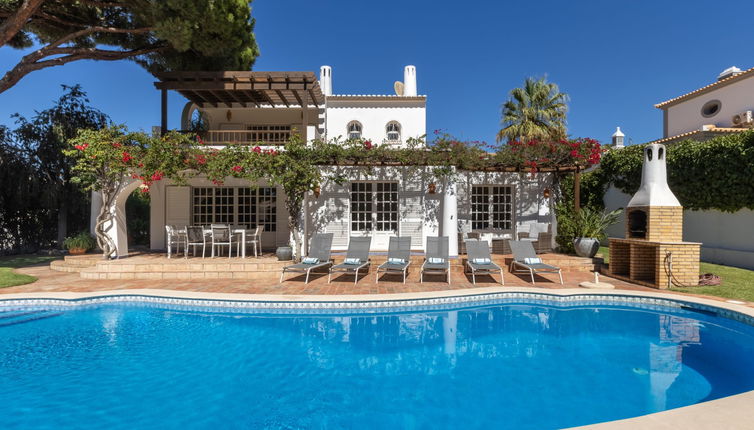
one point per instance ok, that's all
(710, 87)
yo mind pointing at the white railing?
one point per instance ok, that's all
(266, 135)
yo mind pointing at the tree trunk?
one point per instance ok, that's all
(105, 242)
(62, 222)
(294, 207)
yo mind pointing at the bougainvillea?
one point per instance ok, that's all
(106, 158)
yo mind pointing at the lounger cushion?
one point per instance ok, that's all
(396, 260)
(533, 260)
(481, 261)
(310, 260)
(352, 261)
(436, 260)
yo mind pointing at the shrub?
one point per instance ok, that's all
(82, 240)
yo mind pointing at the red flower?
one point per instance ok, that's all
(368, 144)
(82, 147)
(144, 190)
(257, 149)
(237, 169)
(201, 159)
(116, 145)
(156, 176)
(126, 157)
(199, 139)
(574, 153)
(217, 182)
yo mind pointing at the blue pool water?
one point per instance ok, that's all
(509, 365)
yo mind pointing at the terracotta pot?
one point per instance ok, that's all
(77, 251)
(586, 246)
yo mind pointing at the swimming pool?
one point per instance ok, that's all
(505, 363)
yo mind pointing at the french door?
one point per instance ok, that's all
(374, 211)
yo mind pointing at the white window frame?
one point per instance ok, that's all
(399, 130)
(371, 212)
(251, 206)
(493, 209)
(349, 132)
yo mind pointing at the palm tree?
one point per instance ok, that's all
(536, 111)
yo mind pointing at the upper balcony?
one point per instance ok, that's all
(267, 135)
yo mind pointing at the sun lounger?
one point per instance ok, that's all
(318, 256)
(357, 258)
(398, 257)
(436, 260)
(480, 261)
(526, 259)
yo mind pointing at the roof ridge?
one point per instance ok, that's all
(705, 88)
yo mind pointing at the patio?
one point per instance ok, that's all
(261, 276)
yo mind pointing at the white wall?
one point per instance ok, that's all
(736, 97)
(530, 205)
(160, 211)
(374, 115)
(418, 211)
(726, 238)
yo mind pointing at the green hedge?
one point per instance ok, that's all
(715, 174)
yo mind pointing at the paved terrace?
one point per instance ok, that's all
(261, 276)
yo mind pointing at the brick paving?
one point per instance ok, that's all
(50, 281)
(267, 282)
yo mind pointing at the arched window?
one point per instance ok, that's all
(393, 130)
(354, 130)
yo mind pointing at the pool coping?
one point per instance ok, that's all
(727, 412)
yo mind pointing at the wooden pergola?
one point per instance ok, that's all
(245, 88)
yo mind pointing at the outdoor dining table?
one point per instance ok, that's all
(235, 231)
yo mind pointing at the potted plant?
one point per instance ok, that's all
(590, 226)
(79, 244)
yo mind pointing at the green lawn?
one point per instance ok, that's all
(9, 279)
(737, 284)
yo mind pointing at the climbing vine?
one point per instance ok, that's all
(715, 174)
(107, 158)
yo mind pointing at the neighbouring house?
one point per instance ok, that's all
(266, 108)
(725, 106)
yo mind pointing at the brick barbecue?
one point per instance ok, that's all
(653, 244)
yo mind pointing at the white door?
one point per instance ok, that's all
(374, 211)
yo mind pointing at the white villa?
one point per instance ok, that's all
(267, 107)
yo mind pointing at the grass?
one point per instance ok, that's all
(8, 278)
(737, 284)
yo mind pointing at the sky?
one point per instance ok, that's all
(615, 59)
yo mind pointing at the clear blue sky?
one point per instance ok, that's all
(614, 59)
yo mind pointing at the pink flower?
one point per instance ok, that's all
(156, 176)
(237, 169)
(257, 149)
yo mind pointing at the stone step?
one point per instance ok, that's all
(75, 263)
(269, 268)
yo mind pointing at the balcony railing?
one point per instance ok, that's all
(262, 135)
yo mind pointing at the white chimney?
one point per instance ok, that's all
(409, 81)
(727, 73)
(325, 80)
(654, 190)
(618, 137)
